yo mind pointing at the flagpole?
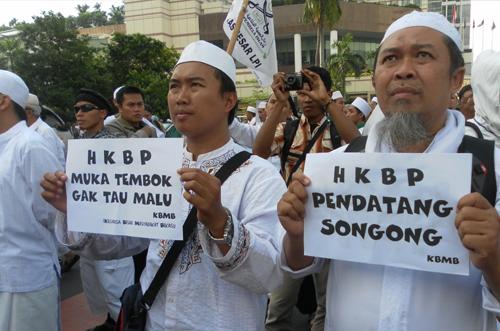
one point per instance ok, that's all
(237, 27)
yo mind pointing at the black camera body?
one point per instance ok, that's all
(294, 81)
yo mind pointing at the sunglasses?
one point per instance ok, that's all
(85, 108)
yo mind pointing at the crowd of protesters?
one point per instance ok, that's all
(243, 266)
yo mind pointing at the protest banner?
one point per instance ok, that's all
(393, 209)
(254, 43)
(125, 187)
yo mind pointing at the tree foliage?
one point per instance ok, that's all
(56, 62)
(344, 63)
(145, 62)
(91, 17)
(322, 13)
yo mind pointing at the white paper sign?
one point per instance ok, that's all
(255, 45)
(389, 209)
(125, 187)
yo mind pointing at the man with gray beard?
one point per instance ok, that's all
(418, 66)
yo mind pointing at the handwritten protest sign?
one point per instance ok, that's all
(125, 187)
(389, 209)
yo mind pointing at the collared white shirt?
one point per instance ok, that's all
(205, 290)
(372, 297)
(28, 257)
(55, 143)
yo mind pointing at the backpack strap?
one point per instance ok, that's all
(483, 166)
(334, 135)
(191, 222)
(475, 128)
(289, 132)
(308, 148)
(357, 145)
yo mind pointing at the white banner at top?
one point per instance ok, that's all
(255, 45)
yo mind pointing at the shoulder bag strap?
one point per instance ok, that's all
(307, 149)
(168, 262)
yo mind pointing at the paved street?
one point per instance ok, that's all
(76, 316)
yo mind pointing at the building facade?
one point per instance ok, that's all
(177, 23)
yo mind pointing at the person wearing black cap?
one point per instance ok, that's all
(91, 108)
(103, 281)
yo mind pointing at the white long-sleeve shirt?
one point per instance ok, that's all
(28, 258)
(55, 143)
(205, 290)
(373, 297)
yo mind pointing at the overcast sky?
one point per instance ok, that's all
(23, 10)
(483, 37)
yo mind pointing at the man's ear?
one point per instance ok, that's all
(457, 79)
(4, 102)
(231, 100)
(102, 114)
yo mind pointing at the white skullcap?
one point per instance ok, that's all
(13, 86)
(375, 99)
(251, 109)
(115, 92)
(205, 52)
(262, 104)
(34, 104)
(337, 95)
(426, 19)
(362, 106)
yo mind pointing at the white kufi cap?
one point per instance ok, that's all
(425, 19)
(33, 103)
(362, 106)
(262, 104)
(115, 92)
(205, 52)
(337, 95)
(251, 109)
(13, 86)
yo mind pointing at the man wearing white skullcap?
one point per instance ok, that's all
(227, 267)
(338, 98)
(28, 256)
(418, 66)
(251, 112)
(358, 112)
(35, 122)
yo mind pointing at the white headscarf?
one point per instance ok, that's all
(486, 91)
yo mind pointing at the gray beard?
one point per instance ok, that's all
(402, 130)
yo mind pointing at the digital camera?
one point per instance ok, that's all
(293, 81)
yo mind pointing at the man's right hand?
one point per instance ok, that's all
(291, 207)
(278, 87)
(54, 190)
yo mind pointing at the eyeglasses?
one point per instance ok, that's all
(85, 108)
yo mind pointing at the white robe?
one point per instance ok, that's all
(205, 290)
(373, 297)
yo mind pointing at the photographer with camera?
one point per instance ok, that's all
(321, 128)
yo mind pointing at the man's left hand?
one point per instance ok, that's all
(203, 191)
(478, 225)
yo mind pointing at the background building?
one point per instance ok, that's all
(177, 23)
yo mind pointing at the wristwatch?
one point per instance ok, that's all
(227, 238)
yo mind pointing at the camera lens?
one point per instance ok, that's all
(290, 79)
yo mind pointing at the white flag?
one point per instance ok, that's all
(255, 45)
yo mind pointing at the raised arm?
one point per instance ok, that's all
(265, 137)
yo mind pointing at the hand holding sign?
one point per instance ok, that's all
(478, 225)
(291, 207)
(54, 189)
(202, 190)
